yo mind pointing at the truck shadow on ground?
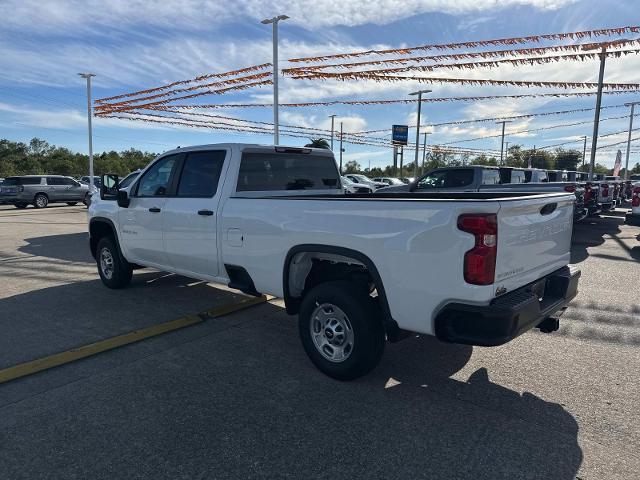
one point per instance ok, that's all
(70, 247)
(245, 402)
(590, 233)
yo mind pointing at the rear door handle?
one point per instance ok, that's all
(154, 210)
(206, 213)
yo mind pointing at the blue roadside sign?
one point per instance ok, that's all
(399, 134)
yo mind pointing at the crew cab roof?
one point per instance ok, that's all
(256, 147)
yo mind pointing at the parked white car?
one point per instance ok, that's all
(472, 268)
(363, 180)
(350, 187)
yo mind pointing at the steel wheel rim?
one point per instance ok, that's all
(41, 201)
(106, 263)
(331, 332)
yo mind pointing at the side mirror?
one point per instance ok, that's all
(123, 199)
(109, 186)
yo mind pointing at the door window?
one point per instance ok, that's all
(55, 181)
(157, 180)
(201, 174)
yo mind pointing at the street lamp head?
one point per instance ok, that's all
(421, 92)
(87, 75)
(267, 21)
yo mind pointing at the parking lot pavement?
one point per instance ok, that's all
(236, 397)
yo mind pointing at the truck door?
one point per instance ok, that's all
(141, 222)
(190, 216)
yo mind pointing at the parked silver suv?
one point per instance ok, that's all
(40, 190)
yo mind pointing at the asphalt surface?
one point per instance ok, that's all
(236, 397)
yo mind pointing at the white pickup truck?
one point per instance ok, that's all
(472, 268)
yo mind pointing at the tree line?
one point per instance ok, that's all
(39, 157)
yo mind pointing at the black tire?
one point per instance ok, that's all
(120, 274)
(362, 315)
(40, 200)
(21, 205)
(87, 199)
(71, 204)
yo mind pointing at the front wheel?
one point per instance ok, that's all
(341, 329)
(115, 271)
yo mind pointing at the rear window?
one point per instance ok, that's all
(270, 171)
(454, 178)
(22, 181)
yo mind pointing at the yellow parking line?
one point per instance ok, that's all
(57, 359)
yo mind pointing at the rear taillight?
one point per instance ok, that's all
(635, 201)
(480, 261)
(587, 192)
(605, 190)
(570, 188)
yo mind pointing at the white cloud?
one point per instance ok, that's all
(86, 15)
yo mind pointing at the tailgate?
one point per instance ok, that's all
(534, 238)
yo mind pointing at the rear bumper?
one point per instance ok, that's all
(509, 315)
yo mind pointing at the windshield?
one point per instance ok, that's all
(395, 181)
(361, 178)
(126, 181)
(346, 180)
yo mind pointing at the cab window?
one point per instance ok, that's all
(454, 178)
(157, 180)
(490, 177)
(201, 174)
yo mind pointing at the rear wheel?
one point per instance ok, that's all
(115, 271)
(341, 329)
(87, 199)
(21, 205)
(71, 204)
(40, 200)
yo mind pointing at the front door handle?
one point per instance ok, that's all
(154, 210)
(206, 213)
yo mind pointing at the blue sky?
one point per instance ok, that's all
(137, 44)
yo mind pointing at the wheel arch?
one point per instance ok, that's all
(99, 227)
(292, 303)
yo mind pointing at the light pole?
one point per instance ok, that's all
(626, 165)
(340, 148)
(503, 122)
(506, 151)
(424, 151)
(596, 119)
(419, 94)
(332, 117)
(274, 22)
(584, 151)
(89, 115)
